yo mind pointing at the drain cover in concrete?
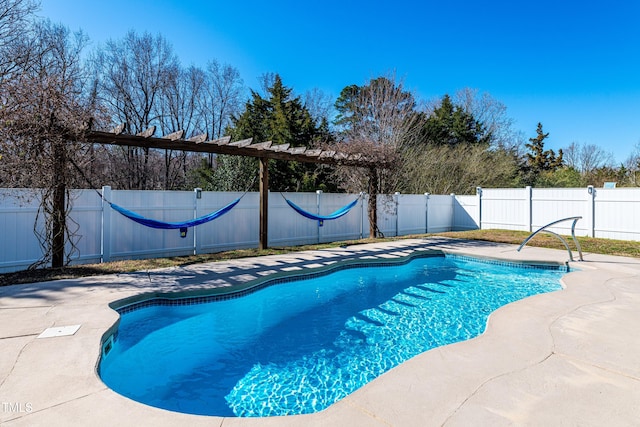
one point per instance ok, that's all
(59, 331)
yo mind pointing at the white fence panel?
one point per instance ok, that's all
(552, 204)
(347, 227)
(412, 218)
(19, 246)
(388, 214)
(286, 226)
(364, 215)
(130, 240)
(237, 229)
(466, 213)
(85, 223)
(505, 208)
(440, 213)
(617, 213)
(289, 228)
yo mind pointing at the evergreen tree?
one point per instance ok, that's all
(450, 124)
(347, 107)
(281, 118)
(564, 177)
(540, 160)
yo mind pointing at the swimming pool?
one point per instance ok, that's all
(302, 345)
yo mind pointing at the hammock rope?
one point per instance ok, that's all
(321, 218)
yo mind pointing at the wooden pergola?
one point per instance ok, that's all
(264, 151)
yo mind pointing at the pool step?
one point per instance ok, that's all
(431, 288)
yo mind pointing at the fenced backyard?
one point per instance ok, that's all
(102, 234)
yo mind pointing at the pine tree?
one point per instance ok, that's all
(450, 125)
(540, 160)
(281, 118)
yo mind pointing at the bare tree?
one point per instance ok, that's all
(632, 165)
(131, 74)
(221, 99)
(177, 110)
(319, 105)
(586, 158)
(43, 113)
(572, 155)
(224, 95)
(15, 16)
(266, 81)
(493, 116)
(377, 120)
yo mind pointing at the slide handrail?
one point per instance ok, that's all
(566, 245)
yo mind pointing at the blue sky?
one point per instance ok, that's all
(573, 66)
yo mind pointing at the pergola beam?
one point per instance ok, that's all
(147, 133)
(175, 136)
(198, 139)
(199, 144)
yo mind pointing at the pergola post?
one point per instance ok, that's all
(59, 204)
(373, 203)
(264, 203)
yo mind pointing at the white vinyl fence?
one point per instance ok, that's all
(610, 213)
(102, 234)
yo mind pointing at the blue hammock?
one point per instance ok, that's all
(321, 218)
(183, 226)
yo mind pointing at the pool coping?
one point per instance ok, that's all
(546, 359)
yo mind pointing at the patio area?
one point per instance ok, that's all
(570, 357)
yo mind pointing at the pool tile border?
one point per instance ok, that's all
(517, 264)
(290, 276)
(168, 301)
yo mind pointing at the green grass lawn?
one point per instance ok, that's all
(545, 240)
(588, 244)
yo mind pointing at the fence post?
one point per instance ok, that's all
(426, 213)
(364, 197)
(105, 228)
(453, 211)
(591, 211)
(318, 197)
(479, 201)
(197, 195)
(529, 211)
(397, 197)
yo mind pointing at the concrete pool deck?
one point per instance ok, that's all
(570, 357)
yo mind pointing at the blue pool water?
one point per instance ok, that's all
(297, 347)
